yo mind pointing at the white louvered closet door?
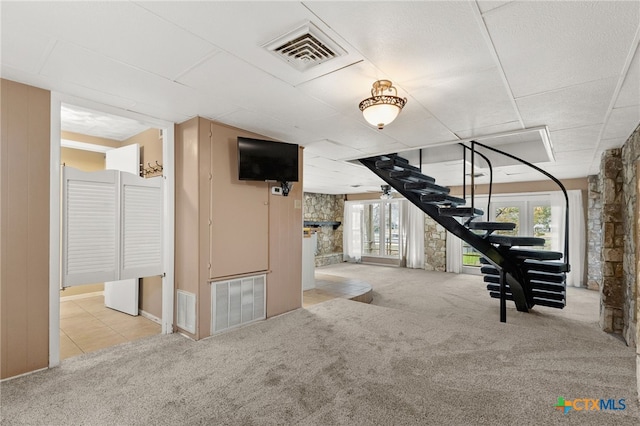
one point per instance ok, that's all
(112, 226)
(141, 226)
(90, 222)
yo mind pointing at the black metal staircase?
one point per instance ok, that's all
(512, 269)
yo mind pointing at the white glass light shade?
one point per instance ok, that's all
(381, 109)
(381, 114)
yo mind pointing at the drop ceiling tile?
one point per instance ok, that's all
(576, 106)
(488, 5)
(409, 40)
(465, 102)
(548, 45)
(630, 90)
(168, 49)
(582, 156)
(24, 50)
(418, 130)
(89, 122)
(228, 79)
(622, 122)
(331, 150)
(85, 68)
(489, 130)
(267, 126)
(576, 139)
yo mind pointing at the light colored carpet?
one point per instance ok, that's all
(429, 350)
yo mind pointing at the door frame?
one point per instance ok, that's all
(168, 154)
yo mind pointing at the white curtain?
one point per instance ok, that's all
(454, 253)
(412, 231)
(576, 232)
(352, 231)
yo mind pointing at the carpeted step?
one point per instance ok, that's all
(426, 187)
(542, 266)
(509, 241)
(442, 199)
(492, 226)
(410, 175)
(459, 211)
(536, 254)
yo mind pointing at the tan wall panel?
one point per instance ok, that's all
(86, 161)
(24, 211)
(187, 208)
(80, 137)
(284, 282)
(81, 289)
(239, 211)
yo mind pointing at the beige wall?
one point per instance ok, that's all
(24, 226)
(79, 137)
(227, 228)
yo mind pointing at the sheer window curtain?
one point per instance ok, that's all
(412, 231)
(576, 232)
(454, 253)
(352, 231)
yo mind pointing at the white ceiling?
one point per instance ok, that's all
(468, 69)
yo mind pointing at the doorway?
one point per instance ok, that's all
(91, 306)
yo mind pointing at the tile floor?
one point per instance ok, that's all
(330, 287)
(86, 325)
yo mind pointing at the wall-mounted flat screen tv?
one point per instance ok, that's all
(266, 160)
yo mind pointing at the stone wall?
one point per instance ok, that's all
(326, 207)
(594, 234)
(630, 158)
(435, 245)
(612, 290)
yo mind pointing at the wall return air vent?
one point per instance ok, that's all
(305, 47)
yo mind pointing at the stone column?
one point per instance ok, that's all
(612, 289)
(594, 234)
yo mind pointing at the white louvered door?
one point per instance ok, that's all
(112, 232)
(90, 221)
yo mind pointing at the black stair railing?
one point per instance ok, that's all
(550, 176)
(528, 283)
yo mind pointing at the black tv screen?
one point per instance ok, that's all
(266, 160)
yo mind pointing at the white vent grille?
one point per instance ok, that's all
(237, 302)
(186, 311)
(305, 47)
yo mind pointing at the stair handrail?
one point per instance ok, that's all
(464, 179)
(550, 176)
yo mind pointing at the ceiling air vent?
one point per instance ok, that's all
(305, 47)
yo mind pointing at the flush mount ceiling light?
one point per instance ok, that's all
(381, 109)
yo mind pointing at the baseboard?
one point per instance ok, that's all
(28, 373)
(149, 316)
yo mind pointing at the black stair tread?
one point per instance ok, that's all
(509, 241)
(395, 164)
(395, 157)
(492, 226)
(460, 211)
(491, 279)
(426, 187)
(549, 303)
(410, 175)
(543, 294)
(542, 266)
(536, 254)
(489, 270)
(536, 300)
(554, 287)
(442, 199)
(547, 276)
